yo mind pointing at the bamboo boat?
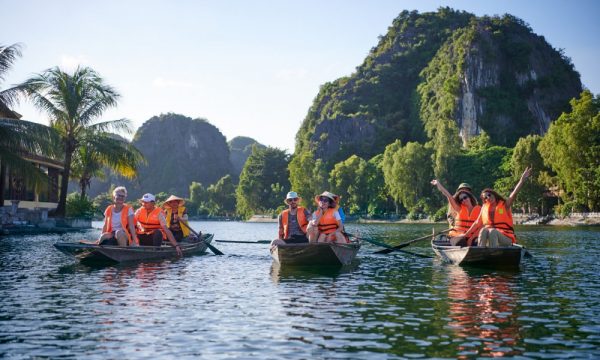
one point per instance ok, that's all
(103, 253)
(306, 254)
(497, 258)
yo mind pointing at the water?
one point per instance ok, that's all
(241, 305)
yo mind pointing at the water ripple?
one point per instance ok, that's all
(241, 305)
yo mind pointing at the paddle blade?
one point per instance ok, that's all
(214, 250)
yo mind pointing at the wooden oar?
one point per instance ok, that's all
(212, 248)
(378, 243)
(405, 244)
(245, 242)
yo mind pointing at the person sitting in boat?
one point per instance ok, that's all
(451, 214)
(326, 223)
(292, 221)
(464, 204)
(152, 225)
(495, 223)
(177, 219)
(119, 224)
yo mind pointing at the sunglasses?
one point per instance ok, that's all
(293, 199)
(324, 199)
(488, 196)
(120, 196)
(463, 198)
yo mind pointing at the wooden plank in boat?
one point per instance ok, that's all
(501, 257)
(94, 252)
(315, 254)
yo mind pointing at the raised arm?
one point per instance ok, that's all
(518, 187)
(447, 194)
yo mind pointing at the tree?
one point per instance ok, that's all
(221, 197)
(379, 201)
(308, 177)
(263, 181)
(571, 147)
(8, 55)
(99, 150)
(446, 144)
(388, 164)
(408, 171)
(199, 198)
(349, 179)
(18, 138)
(73, 102)
(525, 154)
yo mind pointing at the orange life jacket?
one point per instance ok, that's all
(302, 221)
(180, 210)
(108, 214)
(464, 220)
(502, 219)
(148, 223)
(327, 223)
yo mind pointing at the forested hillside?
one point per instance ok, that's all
(489, 73)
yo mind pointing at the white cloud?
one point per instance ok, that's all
(162, 83)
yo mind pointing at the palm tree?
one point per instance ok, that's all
(73, 102)
(100, 151)
(17, 137)
(8, 55)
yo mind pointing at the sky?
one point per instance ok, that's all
(250, 67)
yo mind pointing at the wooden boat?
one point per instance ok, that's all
(93, 252)
(500, 257)
(331, 254)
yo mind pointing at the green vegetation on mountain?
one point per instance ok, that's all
(263, 182)
(178, 151)
(376, 105)
(442, 77)
(240, 147)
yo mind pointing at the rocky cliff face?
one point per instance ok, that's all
(178, 150)
(489, 73)
(511, 81)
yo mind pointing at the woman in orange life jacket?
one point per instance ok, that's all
(152, 225)
(326, 223)
(464, 204)
(292, 222)
(495, 224)
(176, 213)
(119, 224)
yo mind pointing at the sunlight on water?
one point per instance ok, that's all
(243, 304)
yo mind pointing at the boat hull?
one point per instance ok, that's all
(308, 254)
(94, 252)
(501, 257)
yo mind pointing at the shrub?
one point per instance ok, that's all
(80, 208)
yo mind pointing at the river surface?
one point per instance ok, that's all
(242, 305)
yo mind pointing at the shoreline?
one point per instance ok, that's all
(528, 220)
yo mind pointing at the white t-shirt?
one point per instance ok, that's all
(116, 219)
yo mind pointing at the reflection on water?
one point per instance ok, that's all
(243, 305)
(482, 306)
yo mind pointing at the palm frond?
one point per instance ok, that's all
(19, 136)
(119, 126)
(8, 55)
